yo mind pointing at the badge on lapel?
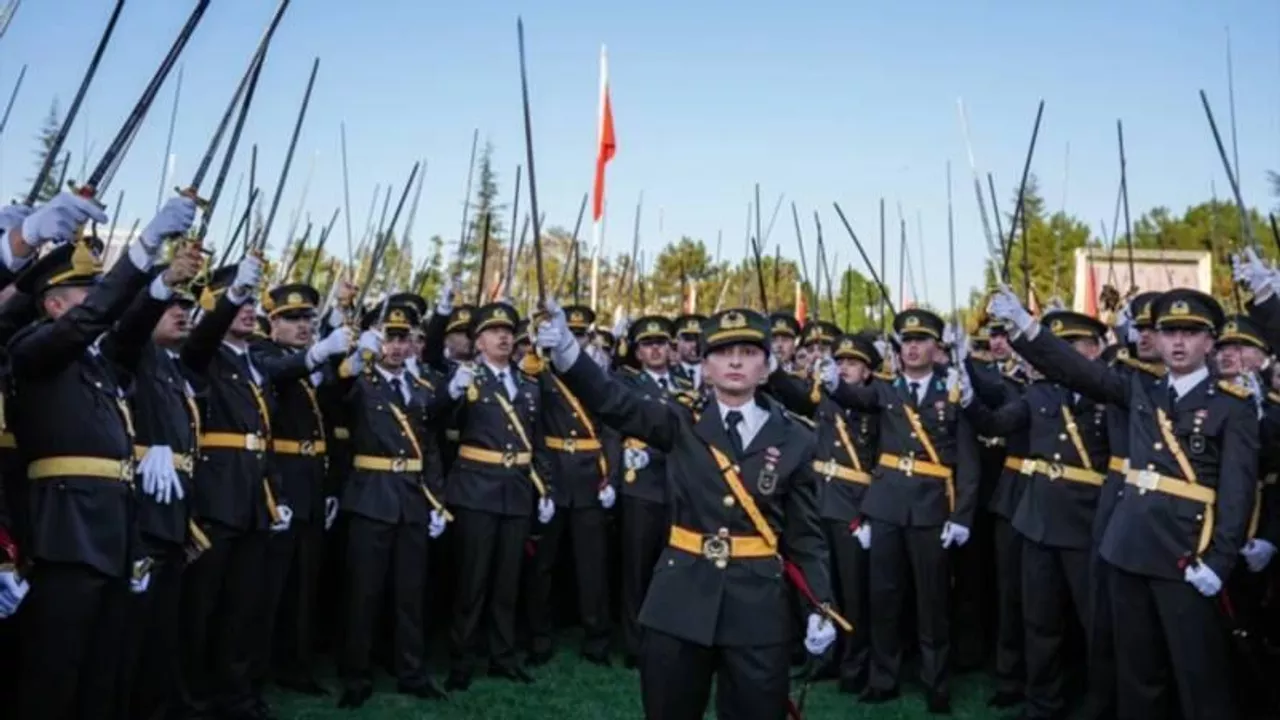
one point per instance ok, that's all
(1196, 441)
(473, 393)
(768, 480)
(941, 407)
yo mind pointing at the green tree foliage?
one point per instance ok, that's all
(46, 138)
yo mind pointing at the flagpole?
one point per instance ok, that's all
(597, 188)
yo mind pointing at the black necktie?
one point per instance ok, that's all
(502, 380)
(395, 388)
(662, 383)
(1173, 396)
(732, 420)
(914, 387)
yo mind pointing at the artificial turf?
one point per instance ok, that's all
(571, 689)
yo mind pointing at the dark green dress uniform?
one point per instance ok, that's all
(76, 434)
(926, 475)
(1188, 497)
(299, 450)
(576, 458)
(459, 320)
(234, 504)
(642, 493)
(995, 384)
(1062, 476)
(388, 499)
(718, 603)
(847, 451)
(163, 403)
(689, 327)
(493, 489)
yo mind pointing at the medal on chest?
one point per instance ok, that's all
(767, 482)
(1196, 443)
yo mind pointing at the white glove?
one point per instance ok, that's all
(141, 578)
(1203, 579)
(958, 379)
(286, 518)
(620, 327)
(598, 356)
(608, 496)
(1247, 268)
(863, 534)
(437, 525)
(248, 278)
(954, 534)
(12, 590)
(819, 635)
(829, 373)
(1257, 554)
(330, 512)
(1005, 305)
(12, 215)
(554, 337)
(635, 458)
(461, 380)
(159, 477)
(546, 510)
(335, 343)
(174, 220)
(371, 342)
(444, 300)
(58, 219)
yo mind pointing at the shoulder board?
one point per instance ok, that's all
(1233, 389)
(887, 377)
(1274, 397)
(627, 369)
(801, 419)
(798, 372)
(1150, 369)
(420, 381)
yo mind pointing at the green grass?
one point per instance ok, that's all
(571, 689)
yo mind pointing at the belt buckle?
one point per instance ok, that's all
(126, 471)
(829, 468)
(570, 445)
(307, 447)
(183, 463)
(399, 465)
(1054, 470)
(252, 443)
(508, 459)
(1028, 467)
(1148, 479)
(907, 464)
(716, 549)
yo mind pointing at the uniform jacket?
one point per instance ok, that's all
(650, 482)
(297, 417)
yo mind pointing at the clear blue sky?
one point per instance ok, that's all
(832, 100)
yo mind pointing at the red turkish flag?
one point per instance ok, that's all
(608, 144)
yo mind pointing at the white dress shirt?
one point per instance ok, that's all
(753, 418)
(695, 372)
(402, 377)
(660, 378)
(505, 374)
(1186, 383)
(922, 386)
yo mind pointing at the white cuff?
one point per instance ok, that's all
(14, 264)
(564, 361)
(237, 298)
(317, 378)
(159, 291)
(312, 361)
(141, 257)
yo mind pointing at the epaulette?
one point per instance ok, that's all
(1274, 397)
(798, 372)
(1239, 391)
(1146, 367)
(801, 419)
(887, 377)
(421, 381)
(629, 370)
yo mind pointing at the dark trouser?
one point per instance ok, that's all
(899, 556)
(586, 528)
(849, 570)
(1166, 628)
(71, 625)
(150, 673)
(220, 604)
(298, 560)
(644, 534)
(491, 550)
(970, 565)
(281, 548)
(1054, 580)
(1010, 671)
(1101, 644)
(375, 549)
(675, 679)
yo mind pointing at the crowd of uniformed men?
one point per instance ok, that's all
(200, 473)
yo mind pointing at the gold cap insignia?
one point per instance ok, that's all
(1056, 326)
(692, 326)
(912, 321)
(733, 320)
(653, 327)
(577, 317)
(1231, 328)
(846, 345)
(501, 314)
(1180, 307)
(295, 298)
(398, 316)
(84, 261)
(464, 316)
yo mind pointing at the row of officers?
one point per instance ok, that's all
(168, 479)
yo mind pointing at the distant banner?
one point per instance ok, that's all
(1153, 270)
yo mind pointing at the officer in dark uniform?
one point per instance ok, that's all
(1182, 517)
(299, 448)
(688, 360)
(70, 372)
(392, 505)
(819, 336)
(577, 460)
(846, 452)
(493, 487)
(643, 475)
(1062, 474)
(785, 330)
(921, 502)
(167, 422)
(742, 492)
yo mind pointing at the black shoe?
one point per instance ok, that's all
(853, 685)
(427, 688)
(601, 659)
(875, 696)
(457, 681)
(353, 698)
(303, 686)
(538, 658)
(939, 703)
(1004, 699)
(514, 673)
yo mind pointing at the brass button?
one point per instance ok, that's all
(1158, 446)
(1062, 436)
(729, 501)
(1057, 456)
(722, 564)
(723, 532)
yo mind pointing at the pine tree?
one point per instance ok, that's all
(485, 203)
(47, 137)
